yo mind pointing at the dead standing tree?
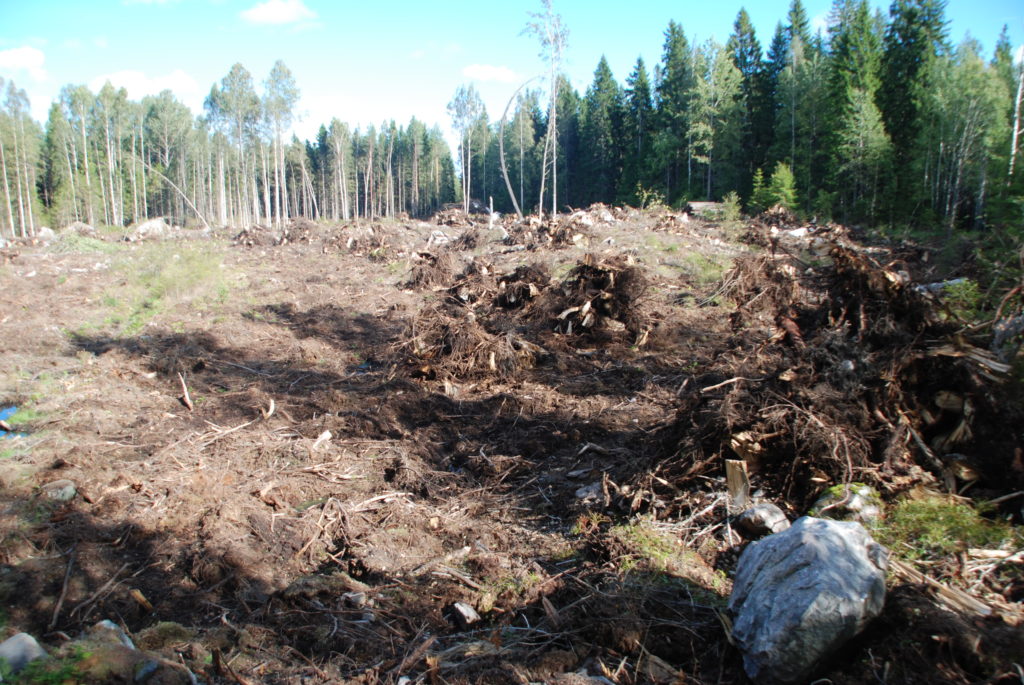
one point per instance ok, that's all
(554, 37)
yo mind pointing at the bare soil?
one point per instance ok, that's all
(386, 421)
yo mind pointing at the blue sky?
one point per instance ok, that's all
(366, 62)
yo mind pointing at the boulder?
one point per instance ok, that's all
(18, 650)
(80, 228)
(851, 502)
(153, 229)
(45, 235)
(760, 520)
(801, 594)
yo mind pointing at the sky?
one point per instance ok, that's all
(370, 62)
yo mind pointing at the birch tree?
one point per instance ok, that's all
(547, 27)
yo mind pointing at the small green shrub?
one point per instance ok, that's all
(921, 529)
(964, 299)
(72, 242)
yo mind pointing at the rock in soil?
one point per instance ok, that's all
(60, 490)
(760, 520)
(853, 502)
(802, 593)
(18, 650)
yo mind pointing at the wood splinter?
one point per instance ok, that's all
(185, 398)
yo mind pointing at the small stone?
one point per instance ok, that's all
(145, 669)
(63, 490)
(464, 615)
(853, 502)
(108, 631)
(760, 520)
(356, 600)
(17, 651)
(589, 492)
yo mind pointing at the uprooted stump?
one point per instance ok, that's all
(521, 286)
(432, 269)
(596, 293)
(441, 344)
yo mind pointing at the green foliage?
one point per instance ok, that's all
(159, 277)
(760, 197)
(74, 243)
(50, 671)
(781, 188)
(922, 529)
(647, 198)
(964, 300)
(732, 211)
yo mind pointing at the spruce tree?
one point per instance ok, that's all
(673, 89)
(916, 36)
(638, 127)
(745, 51)
(601, 129)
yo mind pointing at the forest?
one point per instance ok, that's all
(880, 120)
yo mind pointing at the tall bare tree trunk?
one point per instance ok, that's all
(29, 180)
(17, 178)
(7, 190)
(1016, 122)
(222, 189)
(266, 183)
(71, 179)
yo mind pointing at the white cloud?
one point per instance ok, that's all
(24, 60)
(819, 24)
(489, 72)
(139, 85)
(100, 42)
(278, 12)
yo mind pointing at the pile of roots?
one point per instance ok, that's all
(847, 372)
(496, 324)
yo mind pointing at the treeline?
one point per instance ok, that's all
(104, 159)
(879, 119)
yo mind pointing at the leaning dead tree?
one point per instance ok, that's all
(547, 26)
(501, 146)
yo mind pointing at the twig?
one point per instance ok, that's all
(185, 399)
(96, 595)
(416, 655)
(729, 382)
(224, 668)
(239, 366)
(361, 506)
(64, 588)
(1004, 498)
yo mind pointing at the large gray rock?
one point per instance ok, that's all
(802, 593)
(17, 651)
(153, 229)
